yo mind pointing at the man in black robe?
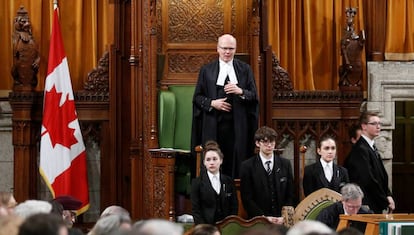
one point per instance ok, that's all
(225, 106)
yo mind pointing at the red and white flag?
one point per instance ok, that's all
(62, 151)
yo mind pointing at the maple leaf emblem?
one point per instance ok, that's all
(56, 119)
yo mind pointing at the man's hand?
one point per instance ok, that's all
(391, 203)
(230, 88)
(221, 104)
(275, 220)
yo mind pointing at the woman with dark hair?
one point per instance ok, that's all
(324, 173)
(213, 194)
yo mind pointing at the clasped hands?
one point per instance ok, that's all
(221, 104)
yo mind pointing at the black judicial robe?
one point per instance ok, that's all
(245, 110)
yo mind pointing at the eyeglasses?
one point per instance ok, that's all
(267, 142)
(375, 123)
(350, 206)
(227, 48)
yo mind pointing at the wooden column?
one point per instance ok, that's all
(25, 134)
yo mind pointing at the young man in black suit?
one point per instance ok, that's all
(365, 166)
(225, 106)
(350, 204)
(266, 182)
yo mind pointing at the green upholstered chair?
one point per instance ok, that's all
(234, 225)
(310, 206)
(175, 117)
(174, 130)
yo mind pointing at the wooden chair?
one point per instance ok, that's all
(310, 206)
(233, 225)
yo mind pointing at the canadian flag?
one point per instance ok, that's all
(62, 151)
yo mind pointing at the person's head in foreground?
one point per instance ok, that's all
(310, 227)
(205, 229)
(156, 227)
(43, 224)
(31, 207)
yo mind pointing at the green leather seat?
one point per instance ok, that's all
(175, 117)
(174, 127)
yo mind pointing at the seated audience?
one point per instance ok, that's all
(31, 207)
(120, 211)
(43, 224)
(213, 194)
(350, 204)
(75, 231)
(205, 229)
(70, 206)
(266, 182)
(156, 227)
(9, 224)
(108, 225)
(310, 227)
(7, 203)
(324, 173)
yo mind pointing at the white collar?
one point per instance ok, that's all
(226, 69)
(264, 160)
(210, 175)
(330, 164)
(370, 142)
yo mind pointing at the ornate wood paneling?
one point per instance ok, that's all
(188, 32)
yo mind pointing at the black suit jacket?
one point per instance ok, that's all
(245, 110)
(203, 198)
(314, 178)
(330, 215)
(366, 170)
(255, 191)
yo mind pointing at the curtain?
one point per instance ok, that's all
(399, 42)
(85, 37)
(305, 35)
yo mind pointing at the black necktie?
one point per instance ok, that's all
(268, 170)
(376, 152)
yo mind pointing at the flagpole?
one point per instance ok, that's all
(55, 6)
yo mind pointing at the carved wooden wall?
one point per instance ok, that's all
(187, 33)
(168, 47)
(176, 38)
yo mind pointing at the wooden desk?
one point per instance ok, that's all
(372, 221)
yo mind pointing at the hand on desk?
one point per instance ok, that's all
(275, 220)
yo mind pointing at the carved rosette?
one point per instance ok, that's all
(195, 21)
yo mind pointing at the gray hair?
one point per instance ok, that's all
(156, 227)
(107, 225)
(31, 207)
(117, 210)
(351, 192)
(305, 227)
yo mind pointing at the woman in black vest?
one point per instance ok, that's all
(324, 173)
(213, 195)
